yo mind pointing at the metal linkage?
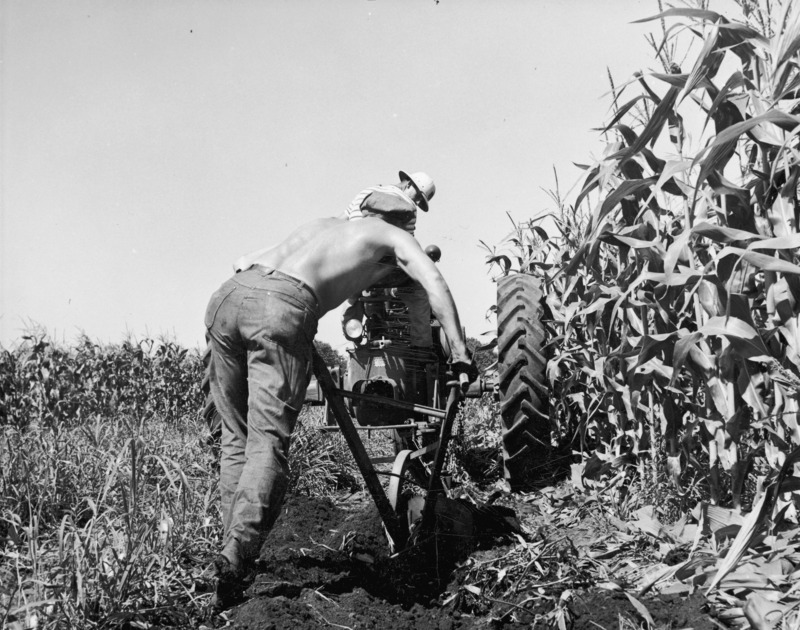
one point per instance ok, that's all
(350, 434)
(391, 402)
(435, 486)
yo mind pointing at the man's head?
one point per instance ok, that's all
(419, 187)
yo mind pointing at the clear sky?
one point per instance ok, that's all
(145, 145)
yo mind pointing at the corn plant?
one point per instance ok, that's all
(673, 276)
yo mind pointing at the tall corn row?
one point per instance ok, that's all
(674, 279)
(45, 384)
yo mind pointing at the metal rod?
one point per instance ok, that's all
(424, 450)
(350, 434)
(379, 298)
(435, 483)
(391, 402)
(382, 427)
(382, 460)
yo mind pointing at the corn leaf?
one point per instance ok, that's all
(670, 168)
(642, 610)
(781, 213)
(791, 45)
(625, 189)
(723, 234)
(752, 523)
(755, 520)
(762, 261)
(719, 151)
(596, 305)
(674, 251)
(706, 65)
(702, 362)
(622, 111)
(735, 34)
(784, 242)
(589, 184)
(788, 46)
(750, 382)
(678, 80)
(737, 79)
(637, 243)
(699, 14)
(735, 194)
(652, 345)
(709, 296)
(681, 351)
(502, 260)
(654, 125)
(654, 367)
(761, 613)
(671, 280)
(739, 333)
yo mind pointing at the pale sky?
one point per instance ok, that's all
(145, 145)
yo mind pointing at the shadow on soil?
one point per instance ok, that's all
(327, 565)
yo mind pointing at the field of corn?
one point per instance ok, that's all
(673, 317)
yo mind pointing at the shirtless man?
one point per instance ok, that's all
(261, 324)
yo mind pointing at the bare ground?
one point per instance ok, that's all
(327, 565)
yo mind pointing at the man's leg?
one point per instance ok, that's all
(230, 391)
(228, 383)
(229, 388)
(277, 386)
(277, 378)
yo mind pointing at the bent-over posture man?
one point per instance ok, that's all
(262, 324)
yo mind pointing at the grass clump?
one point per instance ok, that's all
(320, 463)
(106, 523)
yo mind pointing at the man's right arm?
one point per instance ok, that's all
(413, 260)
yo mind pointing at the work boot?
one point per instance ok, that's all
(231, 584)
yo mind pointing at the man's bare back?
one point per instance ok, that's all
(335, 257)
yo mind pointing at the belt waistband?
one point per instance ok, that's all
(276, 273)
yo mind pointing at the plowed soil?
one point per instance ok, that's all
(327, 565)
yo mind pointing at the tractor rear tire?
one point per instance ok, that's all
(522, 378)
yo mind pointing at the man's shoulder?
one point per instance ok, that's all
(377, 226)
(389, 238)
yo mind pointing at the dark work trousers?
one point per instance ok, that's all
(261, 324)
